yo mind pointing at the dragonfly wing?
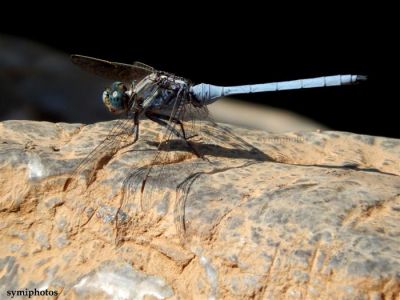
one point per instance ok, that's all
(112, 70)
(81, 180)
(116, 138)
(175, 166)
(211, 135)
(159, 174)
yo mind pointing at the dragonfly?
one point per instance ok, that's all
(180, 107)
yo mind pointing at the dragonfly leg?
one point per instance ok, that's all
(136, 127)
(135, 130)
(158, 119)
(176, 121)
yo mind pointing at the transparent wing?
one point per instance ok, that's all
(117, 137)
(216, 142)
(112, 70)
(175, 166)
(82, 176)
(211, 138)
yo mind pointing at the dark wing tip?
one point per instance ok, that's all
(82, 59)
(110, 70)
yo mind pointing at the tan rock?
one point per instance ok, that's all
(304, 215)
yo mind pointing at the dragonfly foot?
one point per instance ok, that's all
(192, 136)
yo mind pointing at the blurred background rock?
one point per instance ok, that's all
(39, 83)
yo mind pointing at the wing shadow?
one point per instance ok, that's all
(212, 150)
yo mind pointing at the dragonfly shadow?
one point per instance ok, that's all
(250, 152)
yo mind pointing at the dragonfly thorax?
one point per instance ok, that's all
(116, 98)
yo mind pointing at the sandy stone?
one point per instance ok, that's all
(300, 215)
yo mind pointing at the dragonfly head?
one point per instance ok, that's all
(116, 98)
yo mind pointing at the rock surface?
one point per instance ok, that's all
(305, 215)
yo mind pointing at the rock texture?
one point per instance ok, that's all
(306, 215)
